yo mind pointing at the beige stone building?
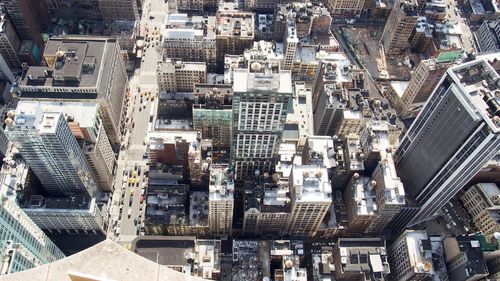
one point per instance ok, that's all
(178, 76)
(190, 39)
(234, 32)
(113, 10)
(399, 26)
(482, 202)
(346, 7)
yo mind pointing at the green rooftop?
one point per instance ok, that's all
(449, 56)
(485, 245)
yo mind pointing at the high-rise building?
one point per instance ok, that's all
(389, 192)
(299, 120)
(9, 43)
(360, 259)
(267, 207)
(488, 36)
(75, 215)
(81, 69)
(5, 71)
(399, 27)
(86, 125)
(482, 203)
(178, 76)
(45, 141)
(190, 39)
(220, 200)
(415, 256)
(346, 7)
(234, 32)
(423, 80)
(213, 115)
(361, 204)
(464, 258)
(311, 194)
(23, 245)
(113, 10)
(29, 18)
(464, 108)
(291, 42)
(260, 105)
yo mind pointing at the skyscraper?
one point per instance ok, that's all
(46, 143)
(220, 200)
(399, 26)
(260, 105)
(455, 134)
(23, 245)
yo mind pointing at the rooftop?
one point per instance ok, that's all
(364, 196)
(419, 251)
(198, 208)
(321, 151)
(311, 184)
(479, 84)
(182, 27)
(235, 23)
(82, 112)
(221, 185)
(72, 62)
(246, 81)
(363, 255)
(245, 262)
(394, 192)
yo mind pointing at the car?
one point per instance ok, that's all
(131, 192)
(129, 212)
(130, 201)
(151, 17)
(140, 108)
(142, 199)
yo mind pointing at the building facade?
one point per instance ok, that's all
(482, 203)
(399, 27)
(23, 245)
(488, 36)
(178, 76)
(69, 216)
(9, 43)
(113, 10)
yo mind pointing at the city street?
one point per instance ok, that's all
(456, 14)
(128, 205)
